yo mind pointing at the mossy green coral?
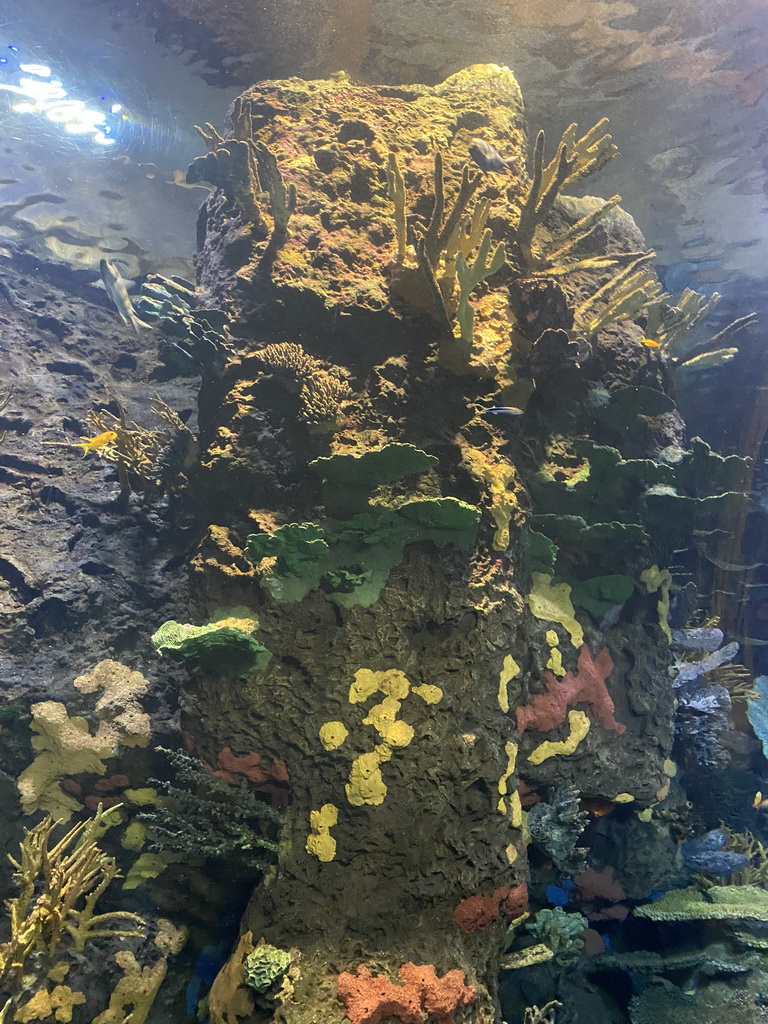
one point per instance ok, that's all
(227, 644)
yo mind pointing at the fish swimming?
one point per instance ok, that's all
(506, 410)
(90, 444)
(650, 343)
(488, 158)
(118, 294)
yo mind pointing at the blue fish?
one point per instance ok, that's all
(488, 158)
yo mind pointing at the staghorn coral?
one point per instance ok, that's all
(556, 824)
(60, 884)
(205, 816)
(575, 159)
(623, 297)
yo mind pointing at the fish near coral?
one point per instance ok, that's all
(488, 158)
(91, 444)
(118, 294)
(650, 343)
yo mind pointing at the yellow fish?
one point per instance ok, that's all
(90, 444)
(650, 343)
(759, 803)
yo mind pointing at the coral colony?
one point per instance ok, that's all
(430, 698)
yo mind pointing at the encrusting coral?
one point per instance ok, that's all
(65, 745)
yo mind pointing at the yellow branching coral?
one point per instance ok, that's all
(579, 727)
(552, 603)
(60, 885)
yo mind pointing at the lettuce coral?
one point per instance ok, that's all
(227, 644)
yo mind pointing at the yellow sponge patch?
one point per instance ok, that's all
(509, 669)
(429, 694)
(579, 727)
(333, 734)
(661, 580)
(552, 603)
(392, 683)
(320, 842)
(366, 783)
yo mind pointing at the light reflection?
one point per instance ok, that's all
(45, 95)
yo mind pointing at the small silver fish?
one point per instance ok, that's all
(506, 410)
(118, 294)
(488, 158)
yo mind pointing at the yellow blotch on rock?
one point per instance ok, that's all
(552, 603)
(134, 836)
(429, 694)
(59, 1004)
(579, 727)
(333, 734)
(509, 669)
(366, 783)
(555, 663)
(146, 867)
(670, 768)
(661, 580)
(320, 843)
(510, 852)
(509, 803)
(646, 814)
(623, 798)
(392, 683)
(500, 479)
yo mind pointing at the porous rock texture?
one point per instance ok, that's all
(421, 773)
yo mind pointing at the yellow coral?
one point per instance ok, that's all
(579, 727)
(429, 694)
(66, 746)
(510, 749)
(654, 579)
(139, 985)
(392, 683)
(552, 603)
(59, 1003)
(555, 663)
(320, 843)
(366, 783)
(500, 479)
(509, 669)
(333, 734)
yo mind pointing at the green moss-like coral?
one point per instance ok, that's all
(265, 966)
(350, 479)
(351, 560)
(228, 643)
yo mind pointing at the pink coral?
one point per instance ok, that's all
(440, 997)
(598, 885)
(586, 686)
(474, 913)
(368, 998)
(516, 903)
